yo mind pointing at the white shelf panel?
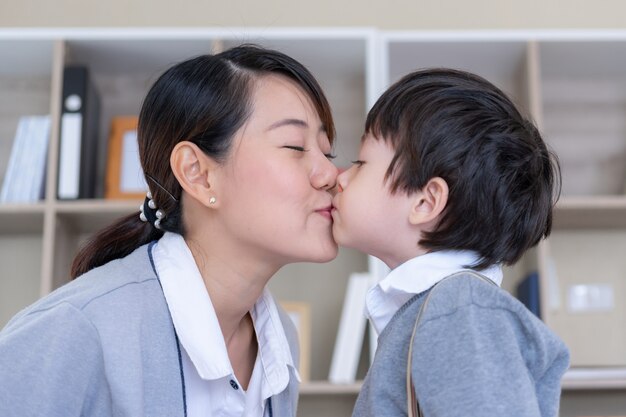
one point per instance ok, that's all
(595, 379)
(328, 388)
(97, 206)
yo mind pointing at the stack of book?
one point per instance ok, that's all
(24, 179)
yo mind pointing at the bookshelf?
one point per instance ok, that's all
(572, 83)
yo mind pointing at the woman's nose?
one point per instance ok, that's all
(325, 177)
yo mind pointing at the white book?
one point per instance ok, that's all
(69, 156)
(11, 177)
(40, 138)
(27, 168)
(23, 180)
(351, 331)
(20, 179)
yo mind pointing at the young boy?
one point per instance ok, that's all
(452, 178)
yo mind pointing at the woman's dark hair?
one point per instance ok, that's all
(204, 100)
(503, 181)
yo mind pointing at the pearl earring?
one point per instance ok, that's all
(212, 200)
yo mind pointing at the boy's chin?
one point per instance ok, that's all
(343, 240)
(338, 236)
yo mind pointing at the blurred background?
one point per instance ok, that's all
(391, 14)
(564, 64)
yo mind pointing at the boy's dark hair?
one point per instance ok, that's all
(503, 181)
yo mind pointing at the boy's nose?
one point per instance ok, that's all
(342, 180)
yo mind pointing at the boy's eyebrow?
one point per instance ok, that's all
(293, 122)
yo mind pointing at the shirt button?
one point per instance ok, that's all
(234, 384)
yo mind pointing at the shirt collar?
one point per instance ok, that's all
(197, 326)
(415, 276)
(274, 351)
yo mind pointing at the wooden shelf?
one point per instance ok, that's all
(21, 218)
(97, 206)
(87, 216)
(328, 388)
(590, 212)
(574, 379)
(595, 379)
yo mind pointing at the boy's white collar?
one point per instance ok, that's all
(415, 276)
(422, 272)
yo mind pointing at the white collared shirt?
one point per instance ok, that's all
(415, 276)
(212, 389)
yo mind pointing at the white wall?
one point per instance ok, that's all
(384, 14)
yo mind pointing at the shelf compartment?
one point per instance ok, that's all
(123, 71)
(576, 264)
(74, 223)
(21, 218)
(584, 102)
(25, 83)
(504, 63)
(89, 216)
(20, 271)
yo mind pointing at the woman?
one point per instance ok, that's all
(169, 314)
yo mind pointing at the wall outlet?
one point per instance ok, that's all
(586, 298)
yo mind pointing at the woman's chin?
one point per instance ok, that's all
(326, 255)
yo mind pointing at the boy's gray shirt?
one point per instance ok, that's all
(104, 345)
(477, 352)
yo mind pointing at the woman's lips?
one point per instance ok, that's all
(326, 211)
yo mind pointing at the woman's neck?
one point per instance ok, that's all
(234, 283)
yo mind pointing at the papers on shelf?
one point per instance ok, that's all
(351, 331)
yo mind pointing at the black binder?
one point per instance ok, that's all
(78, 147)
(528, 293)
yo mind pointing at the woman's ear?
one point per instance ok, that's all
(430, 202)
(195, 172)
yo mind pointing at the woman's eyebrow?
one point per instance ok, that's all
(293, 122)
(288, 122)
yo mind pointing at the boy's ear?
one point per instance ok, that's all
(195, 171)
(429, 202)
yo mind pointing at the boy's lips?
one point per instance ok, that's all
(326, 211)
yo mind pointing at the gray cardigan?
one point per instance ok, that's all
(104, 345)
(477, 352)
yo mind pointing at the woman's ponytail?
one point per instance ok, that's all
(113, 242)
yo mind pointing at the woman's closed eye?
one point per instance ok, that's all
(296, 148)
(302, 149)
(358, 162)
